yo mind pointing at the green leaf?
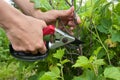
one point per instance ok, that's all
(53, 74)
(59, 64)
(116, 27)
(115, 36)
(102, 29)
(104, 26)
(99, 62)
(59, 54)
(59, 4)
(49, 76)
(65, 61)
(55, 70)
(87, 75)
(45, 77)
(97, 50)
(37, 3)
(43, 5)
(117, 9)
(112, 73)
(82, 62)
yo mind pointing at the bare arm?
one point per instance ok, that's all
(26, 6)
(51, 16)
(7, 13)
(24, 32)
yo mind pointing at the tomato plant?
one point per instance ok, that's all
(98, 58)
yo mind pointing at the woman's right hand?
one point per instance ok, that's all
(26, 35)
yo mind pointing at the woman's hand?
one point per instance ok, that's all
(24, 32)
(50, 17)
(66, 16)
(26, 35)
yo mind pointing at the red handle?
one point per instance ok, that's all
(50, 29)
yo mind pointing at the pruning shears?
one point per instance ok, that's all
(60, 38)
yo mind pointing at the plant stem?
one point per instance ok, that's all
(68, 3)
(61, 69)
(94, 69)
(99, 39)
(103, 46)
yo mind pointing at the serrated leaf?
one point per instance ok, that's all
(43, 5)
(110, 43)
(58, 64)
(116, 27)
(97, 50)
(87, 75)
(99, 62)
(115, 36)
(65, 61)
(37, 3)
(102, 29)
(82, 62)
(59, 54)
(45, 77)
(92, 58)
(55, 70)
(49, 76)
(104, 26)
(117, 9)
(52, 74)
(112, 73)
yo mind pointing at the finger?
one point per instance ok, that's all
(71, 24)
(71, 32)
(43, 49)
(34, 52)
(78, 19)
(72, 28)
(43, 23)
(65, 13)
(70, 11)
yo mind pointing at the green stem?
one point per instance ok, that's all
(61, 70)
(95, 70)
(75, 4)
(103, 45)
(100, 41)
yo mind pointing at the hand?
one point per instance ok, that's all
(51, 16)
(67, 17)
(26, 34)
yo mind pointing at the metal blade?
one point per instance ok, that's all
(77, 42)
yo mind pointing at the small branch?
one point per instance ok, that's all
(80, 4)
(68, 3)
(64, 26)
(72, 1)
(51, 4)
(103, 46)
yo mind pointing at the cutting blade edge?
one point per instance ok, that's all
(77, 42)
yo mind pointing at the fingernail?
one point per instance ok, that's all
(71, 28)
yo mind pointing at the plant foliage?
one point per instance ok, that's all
(100, 55)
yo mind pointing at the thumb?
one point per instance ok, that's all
(70, 11)
(64, 13)
(43, 49)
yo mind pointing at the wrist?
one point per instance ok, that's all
(37, 14)
(48, 17)
(10, 20)
(8, 15)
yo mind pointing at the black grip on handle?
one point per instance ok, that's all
(28, 56)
